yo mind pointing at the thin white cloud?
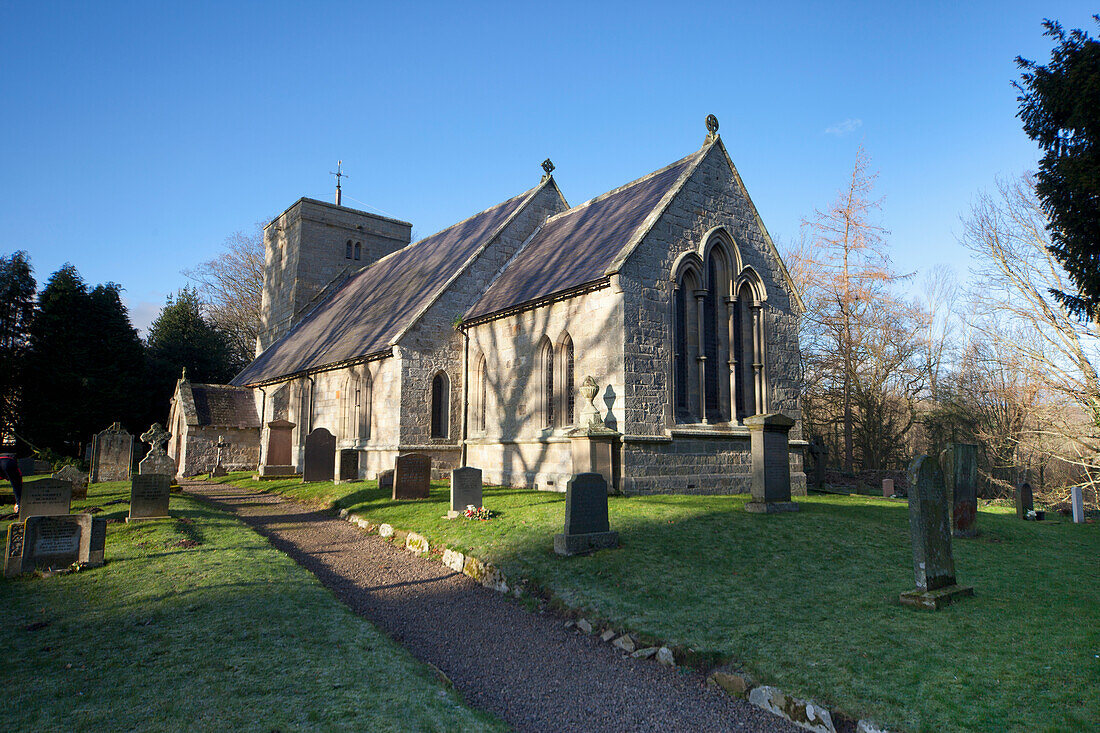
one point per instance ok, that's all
(142, 314)
(845, 127)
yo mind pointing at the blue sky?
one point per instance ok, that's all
(137, 137)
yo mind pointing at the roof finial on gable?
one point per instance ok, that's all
(712, 128)
(183, 376)
(548, 166)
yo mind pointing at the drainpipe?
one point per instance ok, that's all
(465, 389)
(260, 457)
(309, 415)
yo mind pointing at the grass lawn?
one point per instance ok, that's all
(808, 601)
(197, 623)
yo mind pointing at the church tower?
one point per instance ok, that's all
(314, 245)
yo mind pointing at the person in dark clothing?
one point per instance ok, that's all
(9, 471)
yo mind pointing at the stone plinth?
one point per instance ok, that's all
(319, 463)
(465, 490)
(930, 533)
(586, 523)
(593, 450)
(771, 467)
(45, 497)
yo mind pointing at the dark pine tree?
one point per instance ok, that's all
(181, 338)
(17, 291)
(1060, 109)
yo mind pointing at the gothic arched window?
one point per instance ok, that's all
(566, 389)
(480, 393)
(441, 411)
(358, 248)
(687, 363)
(347, 250)
(546, 380)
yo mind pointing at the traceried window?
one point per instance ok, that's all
(565, 388)
(441, 398)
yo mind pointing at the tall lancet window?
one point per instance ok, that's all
(546, 374)
(481, 394)
(441, 411)
(688, 357)
(566, 390)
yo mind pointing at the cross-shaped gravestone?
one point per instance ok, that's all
(219, 469)
(155, 436)
(156, 460)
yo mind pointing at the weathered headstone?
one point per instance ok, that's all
(819, 452)
(887, 487)
(586, 524)
(961, 478)
(277, 459)
(77, 478)
(465, 490)
(149, 495)
(385, 480)
(320, 456)
(54, 542)
(1025, 502)
(412, 476)
(45, 497)
(219, 469)
(930, 532)
(157, 459)
(349, 464)
(1077, 497)
(112, 454)
(771, 464)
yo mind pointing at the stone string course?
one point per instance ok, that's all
(803, 713)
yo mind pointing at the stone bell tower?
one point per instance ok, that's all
(314, 245)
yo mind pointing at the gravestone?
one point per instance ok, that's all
(277, 459)
(819, 452)
(112, 454)
(320, 456)
(349, 464)
(219, 469)
(465, 490)
(45, 497)
(930, 533)
(1077, 497)
(586, 525)
(54, 542)
(157, 460)
(771, 464)
(961, 477)
(1025, 502)
(385, 480)
(412, 476)
(887, 487)
(149, 494)
(26, 466)
(77, 478)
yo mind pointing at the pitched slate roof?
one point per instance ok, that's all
(578, 246)
(224, 406)
(371, 308)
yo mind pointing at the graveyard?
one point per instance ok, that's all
(806, 601)
(196, 623)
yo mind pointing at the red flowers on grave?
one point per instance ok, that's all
(479, 513)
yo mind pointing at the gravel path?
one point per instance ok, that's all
(525, 667)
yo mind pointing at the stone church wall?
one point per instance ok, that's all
(687, 463)
(515, 449)
(434, 343)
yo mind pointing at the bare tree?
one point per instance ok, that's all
(1027, 329)
(231, 288)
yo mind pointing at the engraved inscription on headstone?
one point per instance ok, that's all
(412, 476)
(586, 523)
(149, 496)
(930, 533)
(112, 454)
(465, 489)
(57, 538)
(45, 497)
(320, 456)
(771, 467)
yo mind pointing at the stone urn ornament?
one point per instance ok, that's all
(591, 417)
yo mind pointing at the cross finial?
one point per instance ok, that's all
(155, 435)
(548, 166)
(712, 127)
(339, 174)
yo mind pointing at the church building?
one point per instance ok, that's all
(664, 300)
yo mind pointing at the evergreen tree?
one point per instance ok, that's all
(17, 290)
(84, 364)
(181, 338)
(1060, 109)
